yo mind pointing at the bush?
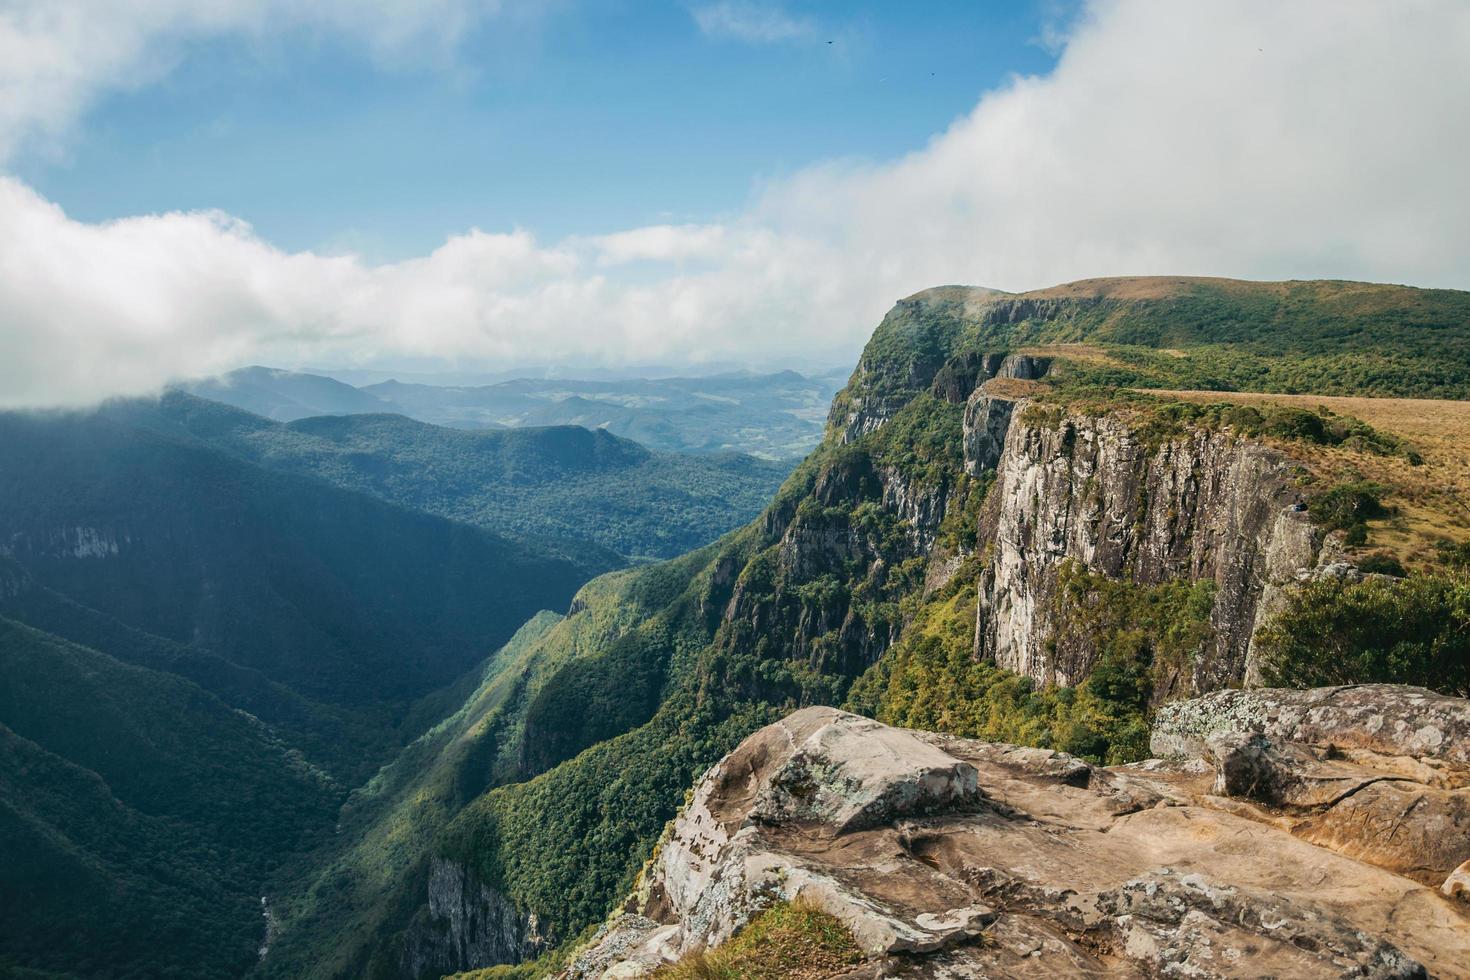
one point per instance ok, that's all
(786, 940)
(1414, 630)
(1345, 505)
(1455, 555)
(1381, 563)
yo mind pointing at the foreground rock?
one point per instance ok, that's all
(1378, 772)
(948, 857)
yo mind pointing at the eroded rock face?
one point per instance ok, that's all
(1388, 720)
(467, 925)
(1093, 491)
(949, 857)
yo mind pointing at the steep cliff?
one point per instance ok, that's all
(1098, 492)
(467, 923)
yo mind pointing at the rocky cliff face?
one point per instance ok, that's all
(947, 857)
(1099, 493)
(466, 925)
(1095, 491)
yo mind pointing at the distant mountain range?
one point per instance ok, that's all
(587, 494)
(774, 416)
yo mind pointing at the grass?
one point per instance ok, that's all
(1430, 502)
(788, 941)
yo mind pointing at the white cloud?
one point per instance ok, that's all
(752, 22)
(1255, 139)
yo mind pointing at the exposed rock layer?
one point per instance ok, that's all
(1093, 490)
(467, 924)
(949, 857)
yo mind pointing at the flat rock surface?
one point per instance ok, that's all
(949, 857)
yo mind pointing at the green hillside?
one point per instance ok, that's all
(213, 654)
(1316, 337)
(550, 768)
(142, 817)
(342, 598)
(566, 484)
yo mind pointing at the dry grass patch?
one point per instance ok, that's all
(1012, 388)
(795, 940)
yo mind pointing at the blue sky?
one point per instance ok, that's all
(579, 119)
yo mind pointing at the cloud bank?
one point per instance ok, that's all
(1258, 139)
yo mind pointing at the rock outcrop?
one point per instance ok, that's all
(1378, 772)
(948, 857)
(1096, 491)
(466, 924)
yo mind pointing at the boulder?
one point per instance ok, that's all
(1385, 719)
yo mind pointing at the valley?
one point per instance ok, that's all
(1034, 520)
(734, 490)
(866, 582)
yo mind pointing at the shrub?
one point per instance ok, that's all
(788, 940)
(1344, 505)
(1414, 630)
(1381, 563)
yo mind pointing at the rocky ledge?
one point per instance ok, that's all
(949, 857)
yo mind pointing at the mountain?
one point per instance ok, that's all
(1040, 519)
(999, 538)
(325, 613)
(142, 817)
(773, 416)
(201, 656)
(563, 483)
(286, 395)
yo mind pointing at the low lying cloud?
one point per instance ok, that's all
(1256, 139)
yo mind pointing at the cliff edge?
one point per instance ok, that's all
(1288, 833)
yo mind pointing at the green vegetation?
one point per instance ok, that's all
(1344, 506)
(143, 819)
(1413, 630)
(1158, 418)
(820, 601)
(788, 941)
(924, 441)
(1145, 637)
(1326, 338)
(588, 495)
(340, 599)
(212, 654)
(347, 626)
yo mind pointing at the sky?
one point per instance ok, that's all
(188, 186)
